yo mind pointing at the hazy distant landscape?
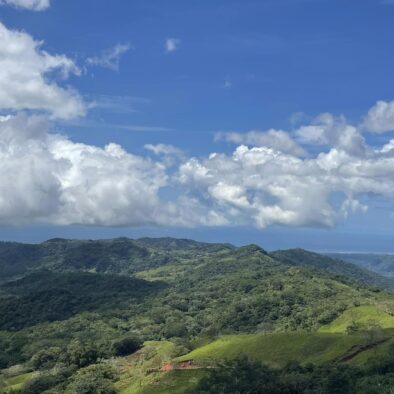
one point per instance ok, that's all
(382, 264)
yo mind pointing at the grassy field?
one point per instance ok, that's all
(8, 384)
(368, 314)
(277, 349)
(165, 273)
(174, 382)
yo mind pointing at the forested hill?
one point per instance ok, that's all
(382, 264)
(334, 264)
(128, 256)
(120, 255)
(67, 305)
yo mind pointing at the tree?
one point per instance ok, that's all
(94, 379)
(82, 354)
(46, 358)
(126, 346)
(353, 327)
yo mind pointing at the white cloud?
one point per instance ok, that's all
(276, 139)
(34, 5)
(350, 206)
(164, 149)
(46, 178)
(334, 132)
(260, 186)
(380, 117)
(25, 77)
(387, 148)
(172, 44)
(110, 58)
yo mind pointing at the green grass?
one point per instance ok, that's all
(16, 382)
(175, 382)
(367, 314)
(277, 349)
(379, 351)
(168, 272)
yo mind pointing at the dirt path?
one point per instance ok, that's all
(357, 350)
(179, 366)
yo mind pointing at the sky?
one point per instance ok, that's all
(241, 121)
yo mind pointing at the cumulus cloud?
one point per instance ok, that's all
(335, 132)
(47, 178)
(26, 72)
(380, 117)
(276, 139)
(172, 44)
(110, 58)
(262, 186)
(259, 186)
(34, 5)
(270, 182)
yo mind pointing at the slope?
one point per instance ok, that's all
(300, 257)
(382, 264)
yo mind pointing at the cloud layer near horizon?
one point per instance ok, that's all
(270, 178)
(47, 178)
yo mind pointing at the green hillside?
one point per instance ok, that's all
(334, 264)
(119, 256)
(382, 264)
(362, 315)
(74, 311)
(324, 350)
(278, 349)
(46, 296)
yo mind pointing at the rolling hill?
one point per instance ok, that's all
(65, 304)
(382, 264)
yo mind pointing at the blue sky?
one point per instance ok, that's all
(187, 71)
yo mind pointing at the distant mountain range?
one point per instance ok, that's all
(382, 264)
